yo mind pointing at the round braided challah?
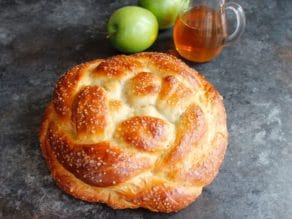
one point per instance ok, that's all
(142, 130)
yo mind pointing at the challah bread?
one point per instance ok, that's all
(141, 130)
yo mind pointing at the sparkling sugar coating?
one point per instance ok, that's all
(133, 131)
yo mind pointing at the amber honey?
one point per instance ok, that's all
(199, 34)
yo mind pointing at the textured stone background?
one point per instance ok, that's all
(39, 40)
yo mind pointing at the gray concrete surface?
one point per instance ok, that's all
(39, 40)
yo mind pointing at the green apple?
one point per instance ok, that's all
(132, 29)
(165, 11)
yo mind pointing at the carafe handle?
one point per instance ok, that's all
(241, 22)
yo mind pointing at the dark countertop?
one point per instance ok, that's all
(39, 40)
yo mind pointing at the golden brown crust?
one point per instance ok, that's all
(89, 111)
(144, 84)
(117, 67)
(142, 130)
(190, 129)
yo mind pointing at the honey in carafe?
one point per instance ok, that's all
(199, 34)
